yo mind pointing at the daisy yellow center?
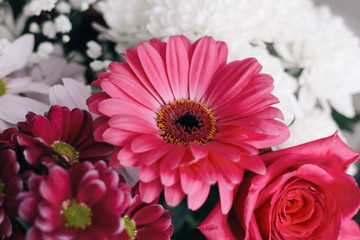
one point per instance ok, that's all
(130, 227)
(2, 87)
(2, 189)
(76, 215)
(66, 149)
(185, 121)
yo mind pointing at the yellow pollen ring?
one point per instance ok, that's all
(175, 133)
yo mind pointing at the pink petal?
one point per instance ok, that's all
(41, 128)
(57, 188)
(196, 200)
(132, 58)
(204, 63)
(217, 226)
(226, 192)
(173, 195)
(230, 80)
(253, 163)
(148, 233)
(198, 152)
(128, 87)
(168, 177)
(134, 124)
(149, 191)
(112, 107)
(127, 157)
(148, 214)
(155, 70)
(94, 100)
(177, 63)
(190, 183)
(174, 157)
(55, 118)
(148, 173)
(153, 156)
(144, 143)
(117, 137)
(350, 230)
(91, 192)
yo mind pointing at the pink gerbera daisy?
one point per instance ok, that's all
(187, 118)
(145, 221)
(85, 202)
(62, 136)
(10, 187)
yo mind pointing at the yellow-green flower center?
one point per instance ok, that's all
(2, 87)
(66, 149)
(2, 189)
(76, 215)
(130, 227)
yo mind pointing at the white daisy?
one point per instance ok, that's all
(14, 90)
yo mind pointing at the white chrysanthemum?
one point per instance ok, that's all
(14, 90)
(329, 54)
(127, 28)
(309, 126)
(62, 24)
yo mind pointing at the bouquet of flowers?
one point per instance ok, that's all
(208, 119)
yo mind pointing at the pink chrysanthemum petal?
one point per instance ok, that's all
(177, 63)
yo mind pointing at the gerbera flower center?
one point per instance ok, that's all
(2, 87)
(76, 215)
(66, 149)
(2, 186)
(130, 227)
(185, 121)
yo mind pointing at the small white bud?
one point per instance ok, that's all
(49, 29)
(65, 38)
(45, 49)
(94, 49)
(106, 64)
(63, 7)
(34, 27)
(62, 24)
(84, 6)
(96, 65)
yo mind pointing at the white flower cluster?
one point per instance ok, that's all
(37, 6)
(312, 55)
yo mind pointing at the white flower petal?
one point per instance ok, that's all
(16, 55)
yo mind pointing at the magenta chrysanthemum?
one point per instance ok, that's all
(62, 136)
(85, 202)
(10, 187)
(145, 221)
(187, 118)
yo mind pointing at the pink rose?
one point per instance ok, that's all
(305, 194)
